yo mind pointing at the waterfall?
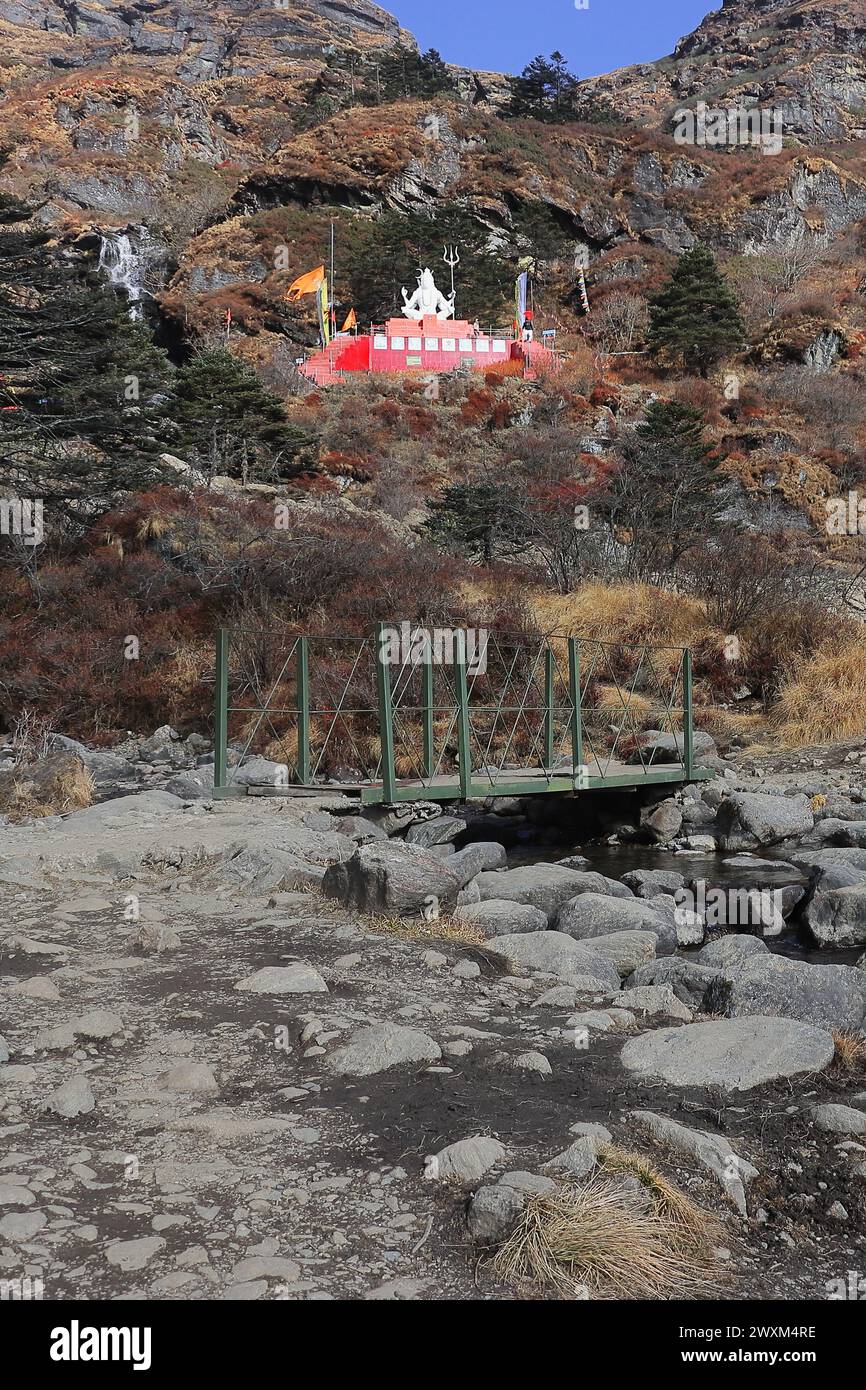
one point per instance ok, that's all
(123, 262)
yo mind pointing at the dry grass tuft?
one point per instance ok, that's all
(593, 1237)
(824, 698)
(850, 1053)
(446, 929)
(51, 787)
(696, 1226)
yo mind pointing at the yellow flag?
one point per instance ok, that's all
(351, 321)
(306, 284)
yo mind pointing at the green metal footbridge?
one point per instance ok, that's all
(409, 713)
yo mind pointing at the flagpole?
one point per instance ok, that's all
(333, 295)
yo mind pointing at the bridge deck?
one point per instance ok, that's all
(527, 781)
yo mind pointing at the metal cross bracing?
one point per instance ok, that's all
(404, 714)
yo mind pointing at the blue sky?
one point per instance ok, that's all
(503, 35)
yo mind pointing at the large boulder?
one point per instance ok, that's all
(381, 1046)
(554, 953)
(748, 819)
(593, 914)
(592, 882)
(259, 772)
(441, 830)
(732, 1054)
(393, 878)
(846, 833)
(627, 950)
(837, 917)
(648, 883)
(499, 917)
(545, 886)
(829, 996)
(734, 949)
(663, 822)
(688, 979)
(828, 858)
(483, 855)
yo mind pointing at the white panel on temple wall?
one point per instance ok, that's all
(380, 341)
(465, 344)
(482, 344)
(498, 344)
(398, 344)
(449, 344)
(431, 344)
(414, 344)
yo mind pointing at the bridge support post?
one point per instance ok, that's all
(576, 710)
(429, 752)
(386, 715)
(221, 708)
(463, 742)
(303, 684)
(549, 673)
(688, 716)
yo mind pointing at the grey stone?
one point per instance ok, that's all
(499, 917)
(689, 980)
(578, 1160)
(747, 819)
(837, 916)
(554, 953)
(664, 822)
(654, 1000)
(381, 1046)
(493, 1212)
(439, 831)
(480, 857)
(74, 1097)
(134, 1254)
(735, 949)
(467, 1160)
(545, 886)
(711, 1150)
(840, 1119)
(733, 1054)
(591, 915)
(393, 878)
(192, 1077)
(829, 996)
(626, 950)
(297, 978)
(648, 883)
(533, 1061)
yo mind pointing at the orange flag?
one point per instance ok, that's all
(306, 284)
(351, 321)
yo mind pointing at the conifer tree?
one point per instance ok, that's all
(229, 423)
(545, 89)
(82, 389)
(695, 317)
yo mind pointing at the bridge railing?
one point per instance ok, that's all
(407, 712)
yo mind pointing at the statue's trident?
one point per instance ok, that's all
(451, 259)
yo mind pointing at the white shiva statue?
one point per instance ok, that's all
(427, 300)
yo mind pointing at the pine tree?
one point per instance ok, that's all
(695, 317)
(467, 518)
(667, 494)
(404, 72)
(82, 389)
(545, 89)
(229, 424)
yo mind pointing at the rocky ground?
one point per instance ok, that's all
(236, 1063)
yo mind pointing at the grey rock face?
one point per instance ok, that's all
(648, 883)
(626, 950)
(477, 858)
(545, 886)
(391, 878)
(837, 917)
(591, 915)
(733, 1054)
(467, 1160)
(840, 1119)
(735, 949)
(296, 978)
(657, 747)
(556, 954)
(439, 831)
(688, 979)
(381, 1046)
(829, 996)
(748, 819)
(498, 917)
(74, 1097)
(711, 1150)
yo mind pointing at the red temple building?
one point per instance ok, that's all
(427, 340)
